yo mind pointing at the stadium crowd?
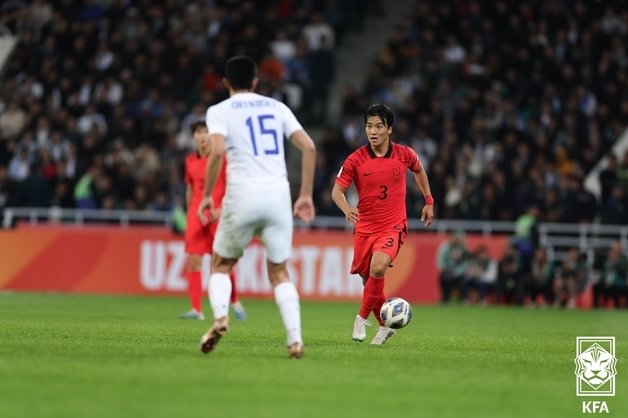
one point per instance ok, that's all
(509, 105)
(98, 96)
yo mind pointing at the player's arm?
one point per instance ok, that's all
(340, 199)
(304, 205)
(220, 186)
(189, 188)
(188, 196)
(338, 193)
(427, 214)
(218, 193)
(211, 174)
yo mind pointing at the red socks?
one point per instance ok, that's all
(378, 307)
(373, 291)
(195, 290)
(234, 292)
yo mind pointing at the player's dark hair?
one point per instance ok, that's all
(382, 111)
(240, 72)
(196, 126)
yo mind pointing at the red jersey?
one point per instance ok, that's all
(381, 186)
(195, 169)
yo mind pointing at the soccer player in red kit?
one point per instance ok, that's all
(198, 238)
(378, 170)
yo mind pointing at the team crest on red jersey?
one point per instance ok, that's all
(396, 175)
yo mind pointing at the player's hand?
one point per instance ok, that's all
(304, 208)
(352, 215)
(427, 215)
(206, 205)
(215, 214)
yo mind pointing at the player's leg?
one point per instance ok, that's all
(233, 234)
(236, 305)
(195, 291)
(220, 287)
(277, 238)
(196, 245)
(361, 265)
(234, 288)
(287, 299)
(375, 287)
(385, 250)
(375, 283)
(360, 323)
(219, 294)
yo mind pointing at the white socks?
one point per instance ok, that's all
(286, 296)
(287, 300)
(219, 294)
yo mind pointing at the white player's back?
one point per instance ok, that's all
(254, 127)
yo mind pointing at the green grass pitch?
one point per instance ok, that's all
(105, 356)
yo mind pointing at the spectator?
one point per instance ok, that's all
(40, 15)
(320, 68)
(58, 146)
(526, 237)
(318, 31)
(424, 146)
(509, 287)
(478, 277)
(612, 285)
(20, 165)
(453, 53)
(571, 279)
(622, 172)
(109, 92)
(5, 188)
(271, 68)
(90, 119)
(540, 281)
(123, 182)
(581, 204)
(552, 206)
(608, 177)
(12, 120)
(34, 190)
(451, 262)
(48, 168)
(283, 47)
(83, 191)
(615, 211)
(62, 196)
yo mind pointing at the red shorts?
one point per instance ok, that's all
(199, 239)
(388, 242)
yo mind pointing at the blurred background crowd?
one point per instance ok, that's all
(98, 96)
(510, 105)
(527, 275)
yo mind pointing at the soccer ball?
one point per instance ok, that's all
(396, 313)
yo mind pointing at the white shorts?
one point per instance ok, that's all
(267, 215)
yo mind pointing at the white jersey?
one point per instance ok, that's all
(254, 127)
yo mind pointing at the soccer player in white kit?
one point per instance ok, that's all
(251, 128)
